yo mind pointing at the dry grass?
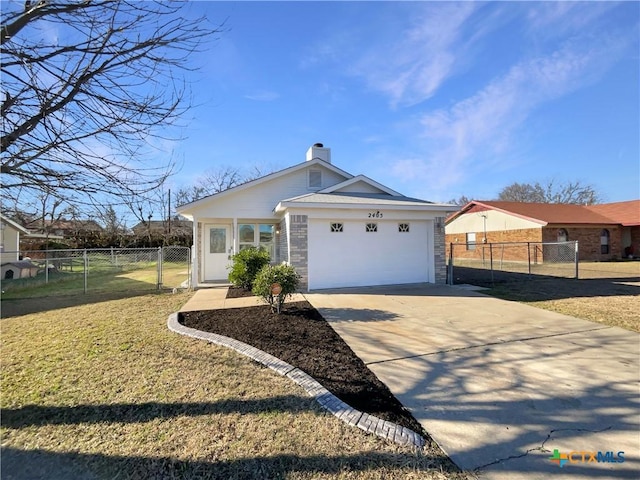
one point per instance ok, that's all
(104, 390)
(606, 292)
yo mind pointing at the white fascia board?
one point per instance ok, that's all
(361, 178)
(435, 207)
(189, 207)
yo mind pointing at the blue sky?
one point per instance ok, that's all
(433, 99)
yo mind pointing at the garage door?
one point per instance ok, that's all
(360, 253)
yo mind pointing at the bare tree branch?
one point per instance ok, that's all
(87, 87)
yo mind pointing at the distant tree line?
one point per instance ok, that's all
(570, 192)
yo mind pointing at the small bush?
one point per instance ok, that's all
(246, 265)
(284, 275)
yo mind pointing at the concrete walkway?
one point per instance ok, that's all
(499, 385)
(214, 298)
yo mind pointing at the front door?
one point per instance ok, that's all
(217, 250)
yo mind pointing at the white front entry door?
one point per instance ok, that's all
(217, 250)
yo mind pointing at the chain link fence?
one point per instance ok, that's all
(486, 264)
(45, 273)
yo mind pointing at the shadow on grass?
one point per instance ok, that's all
(36, 415)
(26, 306)
(533, 288)
(40, 464)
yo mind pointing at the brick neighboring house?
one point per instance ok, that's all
(604, 232)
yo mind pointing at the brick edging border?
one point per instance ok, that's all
(327, 400)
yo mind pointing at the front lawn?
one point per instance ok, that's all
(105, 390)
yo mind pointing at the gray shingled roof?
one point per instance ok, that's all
(357, 199)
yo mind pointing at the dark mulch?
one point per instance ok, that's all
(238, 292)
(301, 337)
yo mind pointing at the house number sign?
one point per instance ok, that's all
(376, 214)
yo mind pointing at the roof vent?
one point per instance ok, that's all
(318, 151)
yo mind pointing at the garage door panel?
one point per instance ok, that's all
(355, 257)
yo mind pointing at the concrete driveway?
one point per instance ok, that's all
(500, 385)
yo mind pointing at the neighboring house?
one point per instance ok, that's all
(70, 229)
(177, 226)
(603, 232)
(10, 239)
(336, 229)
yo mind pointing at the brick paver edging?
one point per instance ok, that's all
(324, 397)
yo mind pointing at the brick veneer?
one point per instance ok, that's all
(299, 247)
(588, 241)
(439, 251)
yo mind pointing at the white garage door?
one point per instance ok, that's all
(347, 253)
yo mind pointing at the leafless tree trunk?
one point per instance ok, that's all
(86, 85)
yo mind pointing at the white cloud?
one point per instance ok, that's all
(473, 133)
(412, 65)
(263, 96)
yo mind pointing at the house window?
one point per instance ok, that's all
(315, 178)
(257, 235)
(403, 227)
(471, 241)
(604, 241)
(337, 227)
(371, 227)
(563, 235)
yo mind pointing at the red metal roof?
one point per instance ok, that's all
(623, 213)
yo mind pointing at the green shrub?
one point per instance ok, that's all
(284, 275)
(246, 265)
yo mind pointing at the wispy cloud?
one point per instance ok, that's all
(474, 132)
(263, 96)
(413, 66)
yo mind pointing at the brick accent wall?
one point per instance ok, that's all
(299, 247)
(439, 251)
(589, 240)
(635, 241)
(516, 253)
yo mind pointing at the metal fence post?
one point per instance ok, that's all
(450, 272)
(159, 283)
(491, 260)
(85, 259)
(576, 258)
(46, 269)
(529, 256)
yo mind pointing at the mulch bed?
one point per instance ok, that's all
(238, 292)
(302, 337)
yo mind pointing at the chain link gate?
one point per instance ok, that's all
(485, 264)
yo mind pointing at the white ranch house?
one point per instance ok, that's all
(336, 229)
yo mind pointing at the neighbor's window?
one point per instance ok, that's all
(315, 178)
(604, 241)
(337, 227)
(403, 227)
(371, 227)
(471, 241)
(563, 235)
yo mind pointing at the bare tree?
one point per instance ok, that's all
(551, 192)
(86, 85)
(460, 201)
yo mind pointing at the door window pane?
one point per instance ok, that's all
(266, 233)
(217, 240)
